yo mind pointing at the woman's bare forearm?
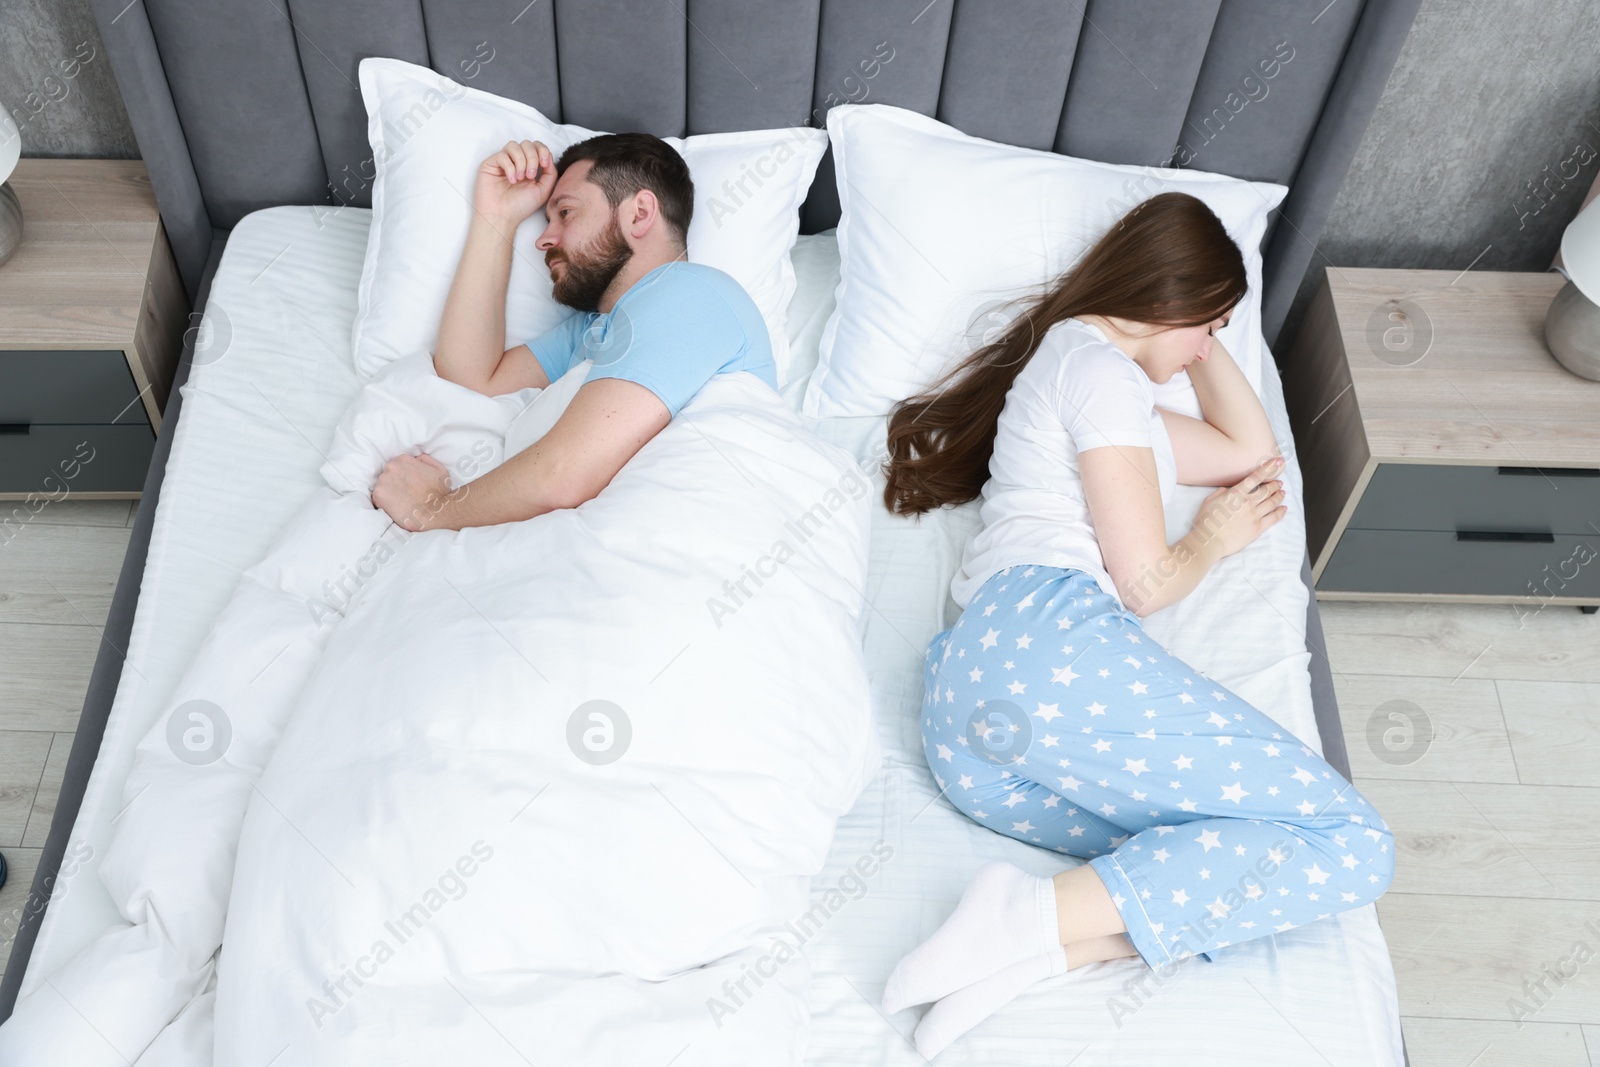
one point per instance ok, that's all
(1170, 577)
(472, 332)
(1227, 521)
(1120, 487)
(1228, 403)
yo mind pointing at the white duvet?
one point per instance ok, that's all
(551, 791)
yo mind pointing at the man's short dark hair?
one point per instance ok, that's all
(625, 163)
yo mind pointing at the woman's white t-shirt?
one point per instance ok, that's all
(1079, 391)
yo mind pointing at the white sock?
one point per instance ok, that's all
(966, 1008)
(1006, 915)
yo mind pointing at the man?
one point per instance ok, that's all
(657, 326)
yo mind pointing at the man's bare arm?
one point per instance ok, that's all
(607, 422)
(511, 185)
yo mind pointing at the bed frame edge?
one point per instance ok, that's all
(107, 673)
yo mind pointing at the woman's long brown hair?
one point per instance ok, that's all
(1168, 262)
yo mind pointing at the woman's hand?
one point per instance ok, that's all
(1233, 517)
(514, 182)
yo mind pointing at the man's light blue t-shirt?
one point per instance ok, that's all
(679, 325)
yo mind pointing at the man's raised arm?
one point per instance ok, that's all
(511, 185)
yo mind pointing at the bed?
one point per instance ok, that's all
(251, 426)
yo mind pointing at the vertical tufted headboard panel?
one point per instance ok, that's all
(244, 104)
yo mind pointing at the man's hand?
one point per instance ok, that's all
(514, 182)
(413, 490)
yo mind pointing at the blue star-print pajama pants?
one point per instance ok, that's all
(1052, 717)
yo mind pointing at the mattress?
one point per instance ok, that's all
(273, 375)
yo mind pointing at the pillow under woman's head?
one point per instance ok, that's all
(941, 232)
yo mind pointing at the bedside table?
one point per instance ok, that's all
(92, 315)
(1447, 455)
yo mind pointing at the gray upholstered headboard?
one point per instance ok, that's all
(245, 104)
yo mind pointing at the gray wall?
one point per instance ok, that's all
(56, 81)
(1481, 150)
(1477, 145)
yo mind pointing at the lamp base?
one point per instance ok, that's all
(1572, 332)
(10, 222)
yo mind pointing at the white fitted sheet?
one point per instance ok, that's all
(259, 410)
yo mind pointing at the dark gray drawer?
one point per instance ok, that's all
(1402, 561)
(68, 387)
(79, 459)
(1410, 496)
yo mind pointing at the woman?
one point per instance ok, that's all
(1050, 715)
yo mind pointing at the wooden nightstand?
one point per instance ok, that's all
(1447, 455)
(92, 315)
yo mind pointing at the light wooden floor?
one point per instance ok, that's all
(56, 579)
(1496, 810)
(1496, 819)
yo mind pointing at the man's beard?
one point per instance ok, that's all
(591, 270)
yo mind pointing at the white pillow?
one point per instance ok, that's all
(429, 134)
(940, 231)
(816, 277)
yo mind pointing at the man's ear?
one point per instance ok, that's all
(641, 213)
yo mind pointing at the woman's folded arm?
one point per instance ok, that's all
(1120, 488)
